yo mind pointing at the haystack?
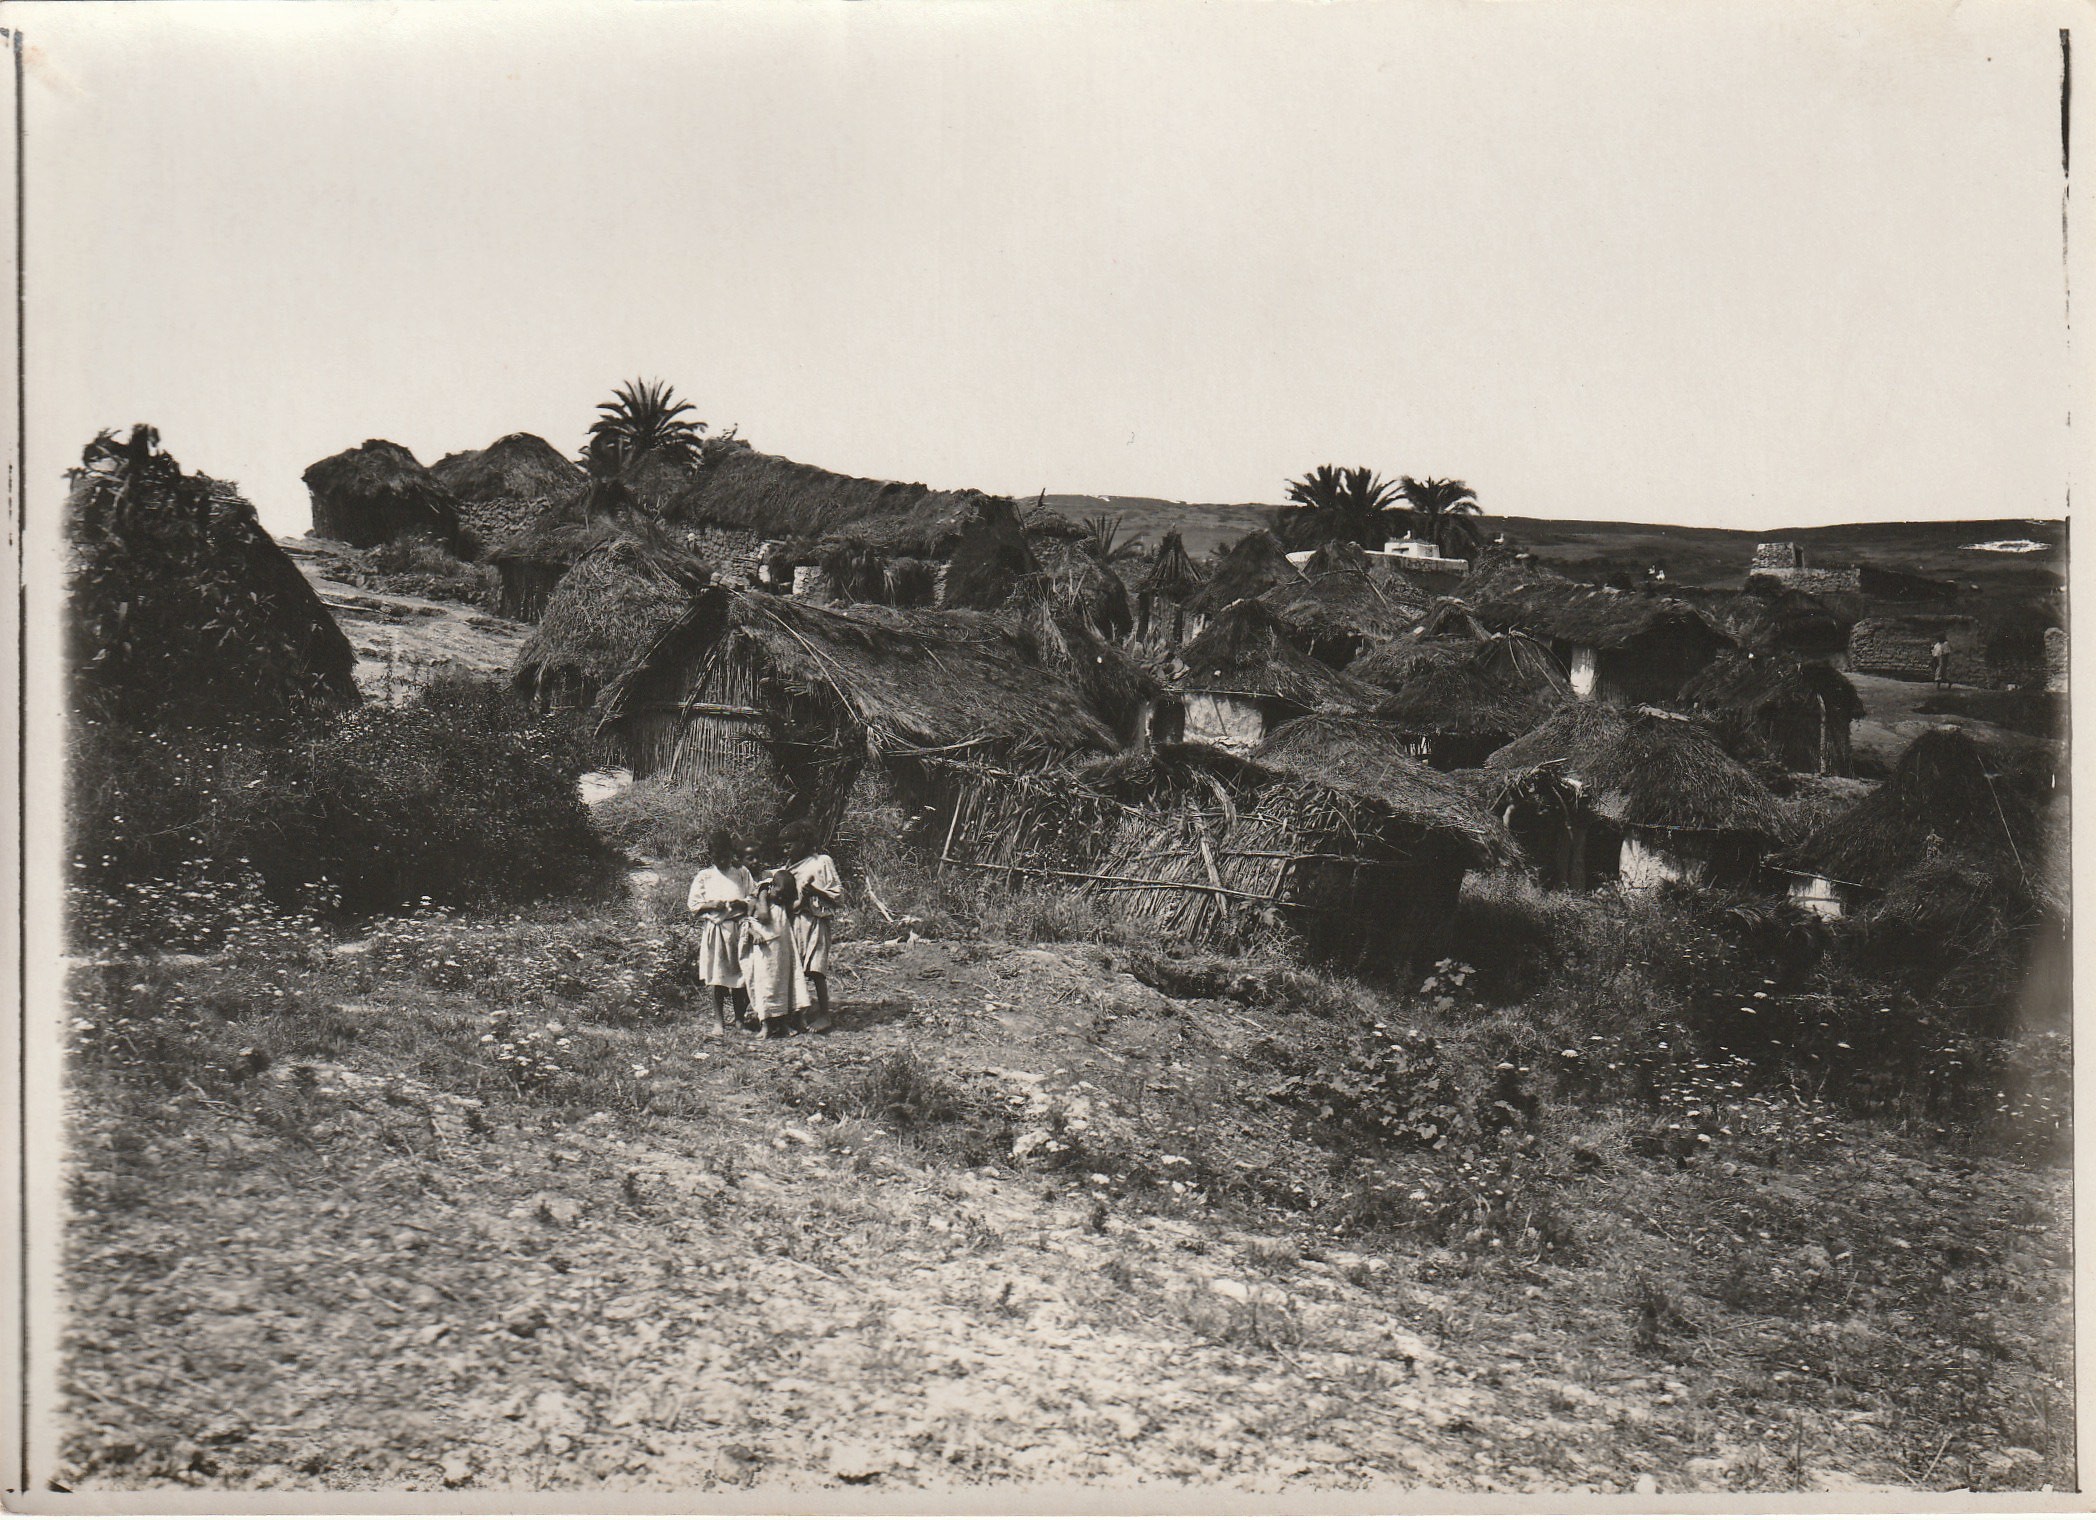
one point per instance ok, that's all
(1244, 676)
(1940, 804)
(1638, 795)
(1161, 594)
(378, 492)
(180, 605)
(1250, 566)
(1199, 845)
(1444, 696)
(1794, 713)
(1623, 647)
(501, 490)
(747, 680)
(608, 609)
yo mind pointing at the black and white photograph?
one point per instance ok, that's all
(916, 755)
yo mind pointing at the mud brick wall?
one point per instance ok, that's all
(1900, 647)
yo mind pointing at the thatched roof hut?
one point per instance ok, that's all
(1251, 565)
(1794, 713)
(378, 492)
(1244, 676)
(1162, 592)
(1445, 696)
(1450, 618)
(746, 679)
(502, 489)
(1637, 794)
(1940, 800)
(180, 604)
(1624, 647)
(605, 613)
(1335, 610)
(1200, 845)
(1786, 620)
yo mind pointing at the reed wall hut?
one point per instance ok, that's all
(1626, 648)
(378, 492)
(1795, 713)
(746, 681)
(1161, 594)
(607, 611)
(501, 490)
(1942, 815)
(1244, 677)
(1448, 702)
(1632, 795)
(1201, 845)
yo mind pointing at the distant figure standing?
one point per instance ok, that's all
(1940, 654)
(770, 964)
(821, 889)
(720, 897)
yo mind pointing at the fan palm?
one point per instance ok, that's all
(1444, 512)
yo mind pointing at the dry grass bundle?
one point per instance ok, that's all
(1644, 768)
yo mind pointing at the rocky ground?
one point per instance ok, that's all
(983, 1234)
(400, 640)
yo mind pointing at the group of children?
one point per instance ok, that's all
(764, 941)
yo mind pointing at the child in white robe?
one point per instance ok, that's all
(770, 965)
(821, 889)
(720, 898)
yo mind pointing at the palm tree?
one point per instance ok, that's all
(1102, 540)
(642, 417)
(1444, 512)
(1331, 504)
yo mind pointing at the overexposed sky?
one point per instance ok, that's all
(1758, 264)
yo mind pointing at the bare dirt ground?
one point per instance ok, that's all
(704, 1261)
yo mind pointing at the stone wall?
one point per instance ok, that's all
(1900, 647)
(1777, 556)
(491, 523)
(734, 553)
(1819, 582)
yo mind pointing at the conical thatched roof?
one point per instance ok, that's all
(1451, 618)
(1786, 621)
(609, 608)
(1644, 768)
(1364, 757)
(1938, 799)
(1254, 563)
(180, 604)
(1444, 688)
(1245, 652)
(376, 492)
(1171, 571)
(1755, 685)
(901, 682)
(515, 467)
(1336, 606)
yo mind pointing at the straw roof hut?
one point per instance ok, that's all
(501, 490)
(1244, 676)
(1161, 595)
(1251, 565)
(1336, 610)
(1942, 810)
(607, 610)
(1197, 844)
(1770, 619)
(180, 603)
(1621, 647)
(1636, 795)
(1448, 701)
(1795, 713)
(378, 492)
(746, 680)
(987, 557)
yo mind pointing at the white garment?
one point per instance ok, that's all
(715, 897)
(811, 923)
(770, 966)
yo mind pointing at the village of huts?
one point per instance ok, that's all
(1378, 952)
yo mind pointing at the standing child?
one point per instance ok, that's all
(720, 897)
(821, 889)
(770, 968)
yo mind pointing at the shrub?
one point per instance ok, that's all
(415, 567)
(667, 819)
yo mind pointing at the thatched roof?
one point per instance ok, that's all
(1171, 571)
(1254, 563)
(1785, 621)
(1364, 758)
(904, 681)
(1451, 618)
(379, 479)
(1341, 604)
(1771, 685)
(1245, 652)
(1939, 798)
(1644, 768)
(609, 608)
(1443, 687)
(515, 467)
(1510, 594)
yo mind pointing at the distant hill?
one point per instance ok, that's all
(1692, 556)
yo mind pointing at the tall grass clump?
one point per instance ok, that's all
(667, 819)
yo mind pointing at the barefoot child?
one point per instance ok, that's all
(720, 898)
(815, 874)
(770, 967)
